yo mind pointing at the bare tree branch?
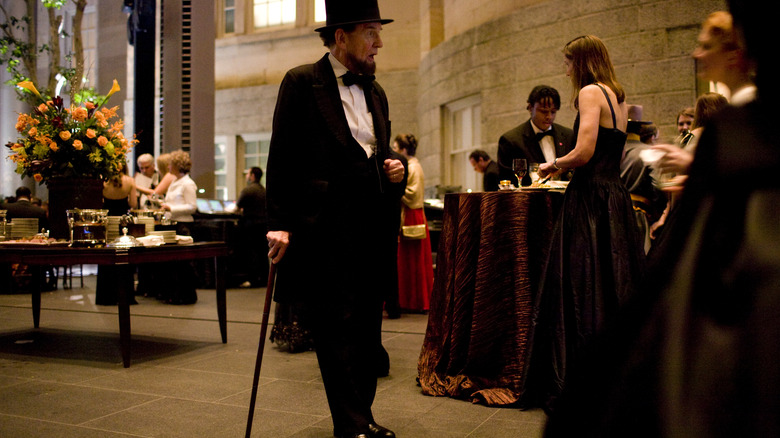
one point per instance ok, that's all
(54, 45)
(78, 49)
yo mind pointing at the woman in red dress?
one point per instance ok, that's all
(415, 266)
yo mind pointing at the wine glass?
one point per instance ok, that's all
(520, 168)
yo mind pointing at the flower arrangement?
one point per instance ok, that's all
(80, 141)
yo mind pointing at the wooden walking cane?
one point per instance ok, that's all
(269, 292)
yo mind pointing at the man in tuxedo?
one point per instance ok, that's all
(538, 140)
(333, 193)
(24, 208)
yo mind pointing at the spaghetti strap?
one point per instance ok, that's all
(614, 120)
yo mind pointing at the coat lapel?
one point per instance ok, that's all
(380, 122)
(326, 94)
(534, 149)
(559, 148)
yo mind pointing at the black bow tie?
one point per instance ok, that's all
(540, 135)
(351, 78)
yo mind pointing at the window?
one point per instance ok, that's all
(269, 13)
(220, 171)
(319, 11)
(256, 154)
(462, 134)
(229, 16)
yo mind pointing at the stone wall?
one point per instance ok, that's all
(650, 43)
(499, 59)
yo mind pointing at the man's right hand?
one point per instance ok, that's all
(278, 241)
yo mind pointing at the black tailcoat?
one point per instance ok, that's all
(520, 142)
(342, 214)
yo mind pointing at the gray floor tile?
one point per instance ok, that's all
(66, 378)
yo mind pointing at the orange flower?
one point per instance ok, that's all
(109, 112)
(79, 114)
(51, 128)
(117, 127)
(114, 89)
(29, 86)
(101, 119)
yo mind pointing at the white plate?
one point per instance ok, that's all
(650, 156)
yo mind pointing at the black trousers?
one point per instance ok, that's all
(347, 339)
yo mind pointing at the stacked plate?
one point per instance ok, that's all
(169, 236)
(112, 228)
(24, 227)
(147, 221)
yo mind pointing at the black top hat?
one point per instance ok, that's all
(635, 121)
(346, 12)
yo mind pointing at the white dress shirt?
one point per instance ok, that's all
(361, 124)
(547, 144)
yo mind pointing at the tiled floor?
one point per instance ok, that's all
(66, 378)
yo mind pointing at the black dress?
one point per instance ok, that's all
(116, 207)
(105, 288)
(595, 261)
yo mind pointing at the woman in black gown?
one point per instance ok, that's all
(596, 255)
(119, 196)
(695, 352)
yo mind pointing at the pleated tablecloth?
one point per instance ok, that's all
(492, 248)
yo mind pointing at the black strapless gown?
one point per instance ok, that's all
(596, 260)
(105, 288)
(116, 207)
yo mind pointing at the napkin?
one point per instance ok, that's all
(151, 240)
(183, 240)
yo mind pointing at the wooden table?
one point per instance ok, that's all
(491, 253)
(125, 261)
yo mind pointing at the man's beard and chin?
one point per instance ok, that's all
(363, 67)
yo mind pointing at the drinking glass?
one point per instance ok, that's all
(534, 171)
(520, 168)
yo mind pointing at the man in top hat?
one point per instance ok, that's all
(333, 195)
(648, 200)
(538, 140)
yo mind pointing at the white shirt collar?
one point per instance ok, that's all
(338, 68)
(536, 129)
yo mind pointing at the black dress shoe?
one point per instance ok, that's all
(377, 431)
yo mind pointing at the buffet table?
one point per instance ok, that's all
(124, 260)
(490, 257)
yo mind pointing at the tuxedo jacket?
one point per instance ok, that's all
(520, 142)
(25, 209)
(340, 208)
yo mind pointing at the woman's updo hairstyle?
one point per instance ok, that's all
(408, 143)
